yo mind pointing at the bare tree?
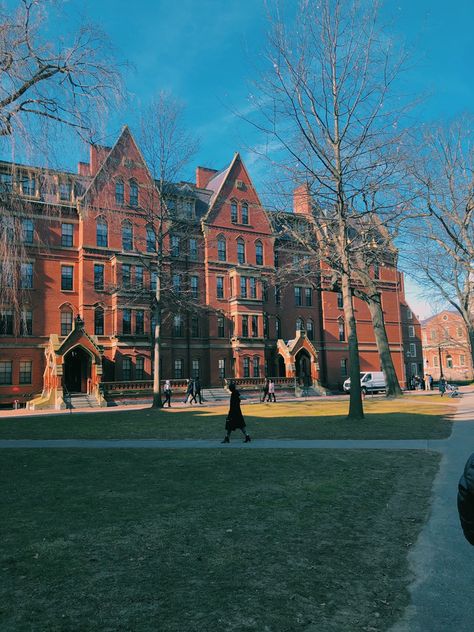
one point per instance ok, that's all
(327, 102)
(444, 228)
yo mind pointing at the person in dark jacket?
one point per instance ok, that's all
(189, 392)
(442, 386)
(265, 390)
(167, 392)
(466, 500)
(196, 391)
(235, 420)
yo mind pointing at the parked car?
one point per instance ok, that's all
(370, 382)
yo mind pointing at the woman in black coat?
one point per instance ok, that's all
(466, 500)
(235, 419)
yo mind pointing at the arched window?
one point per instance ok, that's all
(240, 251)
(246, 367)
(233, 212)
(256, 366)
(178, 369)
(102, 233)
(140, 368)
(119, 197)
(278, 328)
(178, 325)
(133, 193)
(299, 324)
(449, 362)
(310, 329)
(221, 248)
(259, 253)
(127, 236)
(99, 321)
(245, 213)
(342, 330)
(150, 239)
(266, 326)
(66, 320)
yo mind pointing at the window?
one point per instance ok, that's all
(127, 369)
(193, 251)
(220, 287)
(153, 281)
(276, 259)
(310, 329)
(66, 321)
(195, 287)
(25, 371)
(65, 189)
(171, 205)
(150, 239)
(341, 330)
(127, 321)
(376, 271)
(245, 326)
(221, 249)
(462, 360)
(409, 314)
(220, 327)
(278, 328)
(178, 369)
(340, 300)
(277, 295)
(435, 361)
(449, 362)
(102, 236)
(98, 276)
(26, 276)
(127, 236)
(434, 334)
(246, 364)
(414, 368)
(139, 322)
(221, 367)
(266, 327)
(254, 326)
(243, 287)
(344, 367)
(67, 278)
(139, 366)
(195, 368)
(412, 350)
(459, 332)
(6, 182)
(67, 232)
(232, 326)
(126, 276)
(253, 287)
(265, 291)
(26, 323)
(139, 277)
(119, 197)
(133, 193)
(259, 253)
(6, 372)
(308, 297)
(175, 246)
(6, 322)
(299, 324)
(176, 283)
(195, 327)
(240, 251)
(178, 325)
(245, 213)
(298, 300)
(233, 213)
(256, 366)
(446, 333)
(411, 331)
(99, 321)
(27, 231)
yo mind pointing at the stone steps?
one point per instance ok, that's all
(83, 401)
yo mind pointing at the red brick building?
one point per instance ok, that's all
(88, 282)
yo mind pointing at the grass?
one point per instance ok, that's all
(410, 418)
(199, 540)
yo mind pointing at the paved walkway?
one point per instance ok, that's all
(442, 561)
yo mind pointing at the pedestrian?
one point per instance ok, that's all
(442, 386)
(265, 390)
(427, 382)
(189, 391)
(168, 393)
(196, 391)
(235, 420)
(431, 382)
(271, 391)
(466, 500)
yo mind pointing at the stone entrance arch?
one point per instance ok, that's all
(77, 368)
(281, 366)
(303, 368)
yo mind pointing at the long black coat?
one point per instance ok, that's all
(466, 500)
(235, 419)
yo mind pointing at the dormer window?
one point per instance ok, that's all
(119, 192)
(6, 182)
(28, 185)
(133, 193)
(65, 191)
(189, 209)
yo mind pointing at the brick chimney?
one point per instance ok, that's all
(203, 175)
(302, 200)
(98, 154)
(83, 169)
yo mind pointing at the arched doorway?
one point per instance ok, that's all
(77, 370)
(303, 368)
(281, 366)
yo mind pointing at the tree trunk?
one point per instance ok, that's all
(376, 312)
(356, 410)
(157, 402)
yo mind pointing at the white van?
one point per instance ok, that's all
(370, 382)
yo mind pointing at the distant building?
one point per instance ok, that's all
(446, 348)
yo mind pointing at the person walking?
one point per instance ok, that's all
(265, 390)
(271, 391)
(235, 420)
(430, 381)
(167, 392)
(189, 392)
(442, 386)
(196, 391)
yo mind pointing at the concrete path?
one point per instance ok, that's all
(442, 561)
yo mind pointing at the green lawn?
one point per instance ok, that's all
(410, 418)
(201, 540)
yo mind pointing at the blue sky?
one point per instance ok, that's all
(205, 53)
